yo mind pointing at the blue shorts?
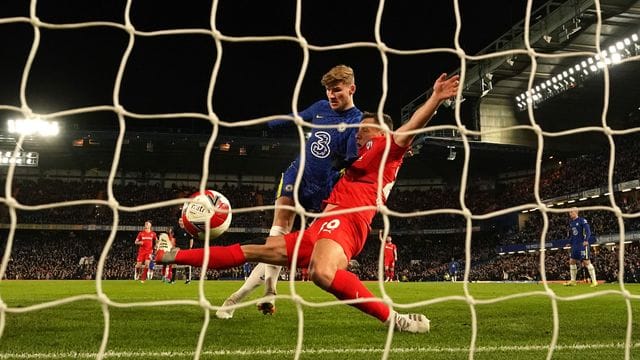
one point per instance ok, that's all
(310, 194)
(580, 253)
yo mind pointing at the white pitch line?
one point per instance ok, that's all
(169, 354)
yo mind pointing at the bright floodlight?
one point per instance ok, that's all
(33, 127)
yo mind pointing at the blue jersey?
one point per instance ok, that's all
(246, 268)
(453, 267)
(327, 151)
(579, 232)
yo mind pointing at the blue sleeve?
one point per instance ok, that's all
(587, 230)
(352, 147)
(306, 114)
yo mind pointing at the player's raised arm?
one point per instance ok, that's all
(443, 89)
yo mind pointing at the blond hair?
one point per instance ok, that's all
(338, 74)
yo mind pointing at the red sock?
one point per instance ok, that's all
(347, 286)
(220, 257)
(144, 273)
(392, 275)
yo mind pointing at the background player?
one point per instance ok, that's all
(327, 152)
(579, 234)
(390, 258)
(330, 241)
(145, 241)
(454, 268)
(183, 240)
(246, 270)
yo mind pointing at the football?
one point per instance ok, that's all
(211, 206)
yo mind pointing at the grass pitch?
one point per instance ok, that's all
(590, 327)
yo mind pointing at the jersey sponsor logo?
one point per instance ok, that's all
(574, 231)
(320, 146)
(318, 116)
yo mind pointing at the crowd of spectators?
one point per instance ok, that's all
(424, 255)
(67, 255)
(49, 255)
(48, 191)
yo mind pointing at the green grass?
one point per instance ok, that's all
(519, 328)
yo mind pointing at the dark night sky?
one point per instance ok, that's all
(77, 68)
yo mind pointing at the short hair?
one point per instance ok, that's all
(338, 74)
(374, 115)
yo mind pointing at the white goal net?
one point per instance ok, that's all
(132, 32)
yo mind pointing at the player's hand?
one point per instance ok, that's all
(444, 88)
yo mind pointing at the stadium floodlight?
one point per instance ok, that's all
(33, 127)
(562, 81)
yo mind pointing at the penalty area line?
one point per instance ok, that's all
(253, 352)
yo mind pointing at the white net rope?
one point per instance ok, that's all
(219, 38)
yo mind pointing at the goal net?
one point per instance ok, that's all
(118, 47)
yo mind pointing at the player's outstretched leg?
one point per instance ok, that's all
(347, 286)
(413, 323)
(255, 279)
(271, 274)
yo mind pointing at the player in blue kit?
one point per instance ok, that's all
(327, 151)
(579, 234)
(454, 267)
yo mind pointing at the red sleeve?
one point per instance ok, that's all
(370, 159)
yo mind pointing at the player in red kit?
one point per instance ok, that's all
(333, 239)
(145, 241)
(390, 258)
(304, 274)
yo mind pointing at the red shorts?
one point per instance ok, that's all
(143, 256)
(389, 263)
(350, 231)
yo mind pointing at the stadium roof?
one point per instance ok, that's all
(561, 28)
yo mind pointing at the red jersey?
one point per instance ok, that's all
(359, 185)
(147, 239)
(390, 252)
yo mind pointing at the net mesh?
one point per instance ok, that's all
(134, 34)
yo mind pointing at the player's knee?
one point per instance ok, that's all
(321, 276)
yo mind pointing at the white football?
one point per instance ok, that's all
(209, 206)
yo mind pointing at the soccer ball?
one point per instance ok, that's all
(164, 243)
(205, 206)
